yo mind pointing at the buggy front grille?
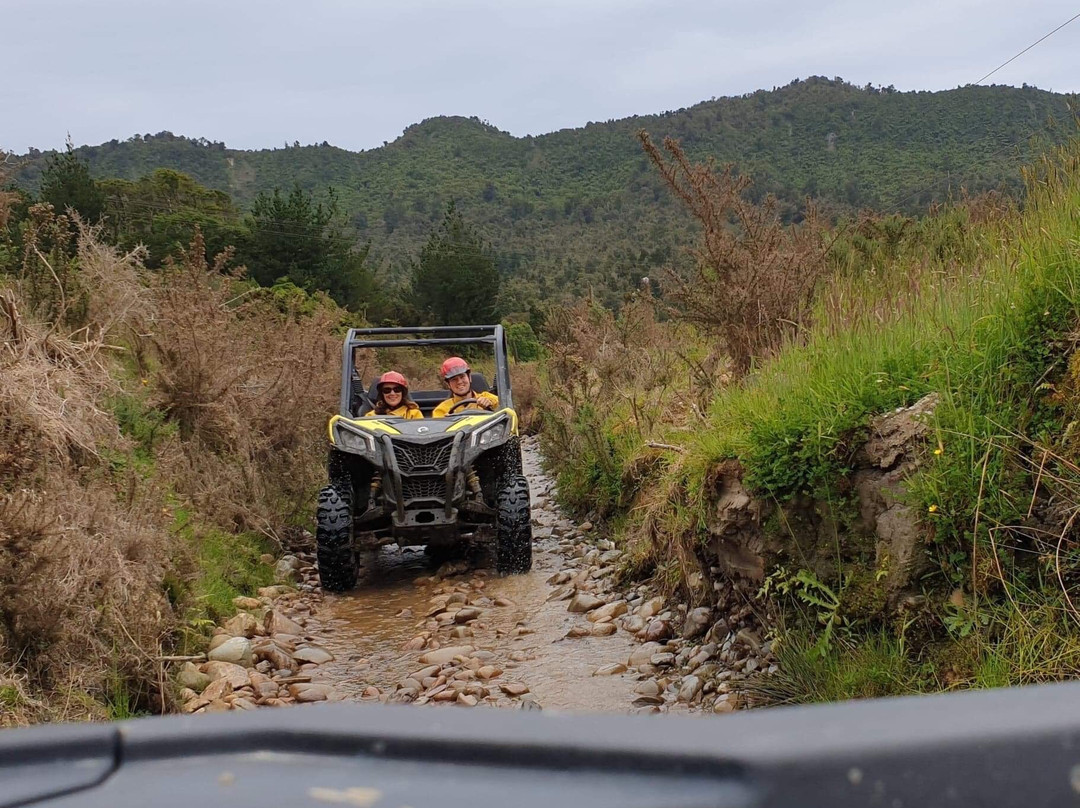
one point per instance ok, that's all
(423, 488)
(423, 458)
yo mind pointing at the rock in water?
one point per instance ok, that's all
(642, 654)
(584, 602)
(309, 692)
(313, 653)
(650, 687)
(610, 670)
(608, 611)
(447, 654)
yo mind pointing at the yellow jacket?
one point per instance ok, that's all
(443, 409)
(409, 412)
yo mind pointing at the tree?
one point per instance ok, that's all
(755, 278)
(292, 236)
(456, 281)
(66, 183)
(162, 211)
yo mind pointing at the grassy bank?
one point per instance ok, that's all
(979, 304)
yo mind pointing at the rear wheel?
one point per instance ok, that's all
(514, 552)
(333, 538)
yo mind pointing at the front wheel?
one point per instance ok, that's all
(514, 526)
(333, 539)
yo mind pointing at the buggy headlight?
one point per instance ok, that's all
(492, 434)
(357, 442)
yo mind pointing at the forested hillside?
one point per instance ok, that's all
(581, 208)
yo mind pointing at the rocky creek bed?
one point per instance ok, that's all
(566, 636)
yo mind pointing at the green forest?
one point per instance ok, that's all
(581, 211)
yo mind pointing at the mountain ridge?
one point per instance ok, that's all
(583, 203)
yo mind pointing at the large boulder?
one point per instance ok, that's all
(236, 675)
(190, 676)
(236, 650)
(885, 536)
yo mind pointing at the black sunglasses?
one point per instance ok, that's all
(392, 388)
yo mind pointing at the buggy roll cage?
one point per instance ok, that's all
(417, 337)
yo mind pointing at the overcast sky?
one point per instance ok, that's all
(356, 73)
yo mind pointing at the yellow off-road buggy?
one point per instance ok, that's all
(443, 483)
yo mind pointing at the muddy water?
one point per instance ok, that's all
(367, 629)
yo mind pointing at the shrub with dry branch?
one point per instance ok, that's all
(615, 383)
(250, 381)
(755, 277)
(81, 600)
(85, 543)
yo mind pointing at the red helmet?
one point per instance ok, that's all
(392, 377)
(454, 366)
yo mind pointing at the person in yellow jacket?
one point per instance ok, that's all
(457, 375)
(394, 397)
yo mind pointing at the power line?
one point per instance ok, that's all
(1025, 50)
(1007, 146)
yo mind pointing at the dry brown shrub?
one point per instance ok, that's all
(754, 278)
(633, 361)
(251, 380)
(81, 592)
(81, 602)
(528, 392)
(85, 545)
(615, 384)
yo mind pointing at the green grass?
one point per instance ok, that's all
(983, 337)
(226, 565)
(10, 697)
(989, 327)
(872, 666)
(119, 701)
(140, 422)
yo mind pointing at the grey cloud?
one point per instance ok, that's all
(356, 73)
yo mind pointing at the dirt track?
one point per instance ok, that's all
(510, 623)
(563, 637)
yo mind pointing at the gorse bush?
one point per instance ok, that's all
(249, 379)
(617, 383)
(754, 277)
(80, 596)
(127, 398)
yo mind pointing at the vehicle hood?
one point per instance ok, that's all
(420, 429)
